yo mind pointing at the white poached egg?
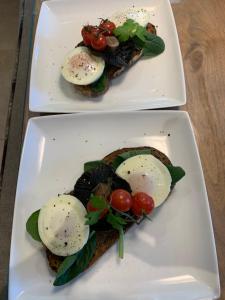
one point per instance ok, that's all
(61, 225)
(147, 174)
(140, 15)
(82, 67)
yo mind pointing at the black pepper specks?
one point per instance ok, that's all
(65, 244)
(128, 172)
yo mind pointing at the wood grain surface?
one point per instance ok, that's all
(201, 29)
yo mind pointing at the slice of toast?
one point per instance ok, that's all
(107, 238)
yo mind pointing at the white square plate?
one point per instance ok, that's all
(151, 83)
(172, 257)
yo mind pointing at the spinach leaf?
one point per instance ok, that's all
(32, 226)
(123, 156)
(116, 162)
(66, 264)
(153, 45)
(176, 173)
(71, 269)
(90, 165)
(150, 43)
(101, 84)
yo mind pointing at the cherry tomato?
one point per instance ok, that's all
(142, 203)
(86, 33)
(107, 26)
(90, 207)
(121, 200)
(99, 42)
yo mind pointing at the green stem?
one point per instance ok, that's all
(121, 243)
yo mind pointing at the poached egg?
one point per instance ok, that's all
(147, 174)
(82, 67)
(61, 225)
(139, 15)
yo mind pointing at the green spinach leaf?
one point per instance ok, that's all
(153, 45)
(90, 165)
(71, 269)
(123, 156)
(101, 84)
(176, 173)
(32, 226)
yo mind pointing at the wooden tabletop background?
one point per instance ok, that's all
(201, 30)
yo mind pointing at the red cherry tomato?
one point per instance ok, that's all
(121, 200)
(86, 33)
(107, 26)
(142, 204)
(90, 207)
(99, 42)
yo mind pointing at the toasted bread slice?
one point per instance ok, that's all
(105, 239)
(111, 73)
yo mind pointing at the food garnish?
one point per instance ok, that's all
(111, 195)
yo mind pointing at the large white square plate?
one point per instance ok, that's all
(152, 83)
(172, 257)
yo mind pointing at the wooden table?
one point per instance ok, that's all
(201, 29)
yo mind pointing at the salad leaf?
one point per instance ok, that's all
(67, 264)
(101, 84)
(123, 156)
(70, 269)
(90, 165)
(116, 162)
(32, 226)
(176, 173)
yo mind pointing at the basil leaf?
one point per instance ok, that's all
(98, 202)
(92, 217)
(81, 262)
(32, 226)
(123, 156)
(101, 84)
(176, 173)
(90, 165)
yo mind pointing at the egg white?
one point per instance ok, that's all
(147, 174)
(82, 67)
(139, 15)
(61, 225)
